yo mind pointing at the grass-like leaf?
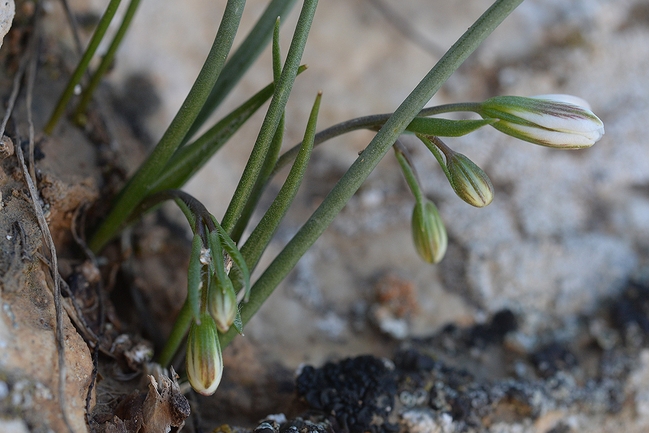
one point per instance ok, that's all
(271, 155)
(261, 235)
(241, 60)
(368, 160)
(82, 66)
(446, 127)
(273, 116)
(106, 61)
(140, 184)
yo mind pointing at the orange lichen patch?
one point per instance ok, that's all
(397, 294)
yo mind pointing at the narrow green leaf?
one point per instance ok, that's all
(262, 181)
(139, 186)
(446, 127)
(271, 155)
(277, 53)
(261, 235)
(194, 277)
(273, 116)
(190, 158)
(241, 60)
(97, 36)
(237, 258)
(106, 61)
(373, 153)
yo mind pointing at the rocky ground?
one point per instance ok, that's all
(535, 321)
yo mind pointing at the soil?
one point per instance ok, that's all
(449, 359)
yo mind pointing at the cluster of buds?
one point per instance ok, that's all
(559, 121)
(213, 301)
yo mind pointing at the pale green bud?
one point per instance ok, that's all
(223, 304)
(561, 121)
(204, 361)
(428, 232)
(468, 180)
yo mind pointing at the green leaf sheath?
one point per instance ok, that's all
(106, 61)
(445, 127)
(261, 235)
(67, 94)
(273, 116)
(371, 156)
(139, 185)
(241, 60)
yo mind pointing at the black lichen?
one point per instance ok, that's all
(357, 392)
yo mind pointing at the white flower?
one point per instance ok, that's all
(561, 121)
(204, 361)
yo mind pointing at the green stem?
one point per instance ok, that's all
(100, 31)
(436, 152)
(373, 122)
(371, 156)
(408, 172)
(139, 185)
(106, 61)
(273, 116)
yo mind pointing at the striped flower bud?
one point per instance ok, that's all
(428, 232)
(561, 121)
(223, 304)
(204, 361)
(468, 180)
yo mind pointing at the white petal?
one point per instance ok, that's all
(566, 99)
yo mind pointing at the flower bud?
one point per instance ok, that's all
(561, 121)
(204, 361)
(428, 232)
(223, 304)
(468, 180)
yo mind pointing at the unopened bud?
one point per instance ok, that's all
(561, 121)
(468, 180)
(428, 232)
(223, 304)
(204, 361)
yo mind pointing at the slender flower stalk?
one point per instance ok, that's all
(561, 121)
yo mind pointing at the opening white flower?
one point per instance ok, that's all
(561, 121)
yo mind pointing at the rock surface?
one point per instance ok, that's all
(566, 230)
